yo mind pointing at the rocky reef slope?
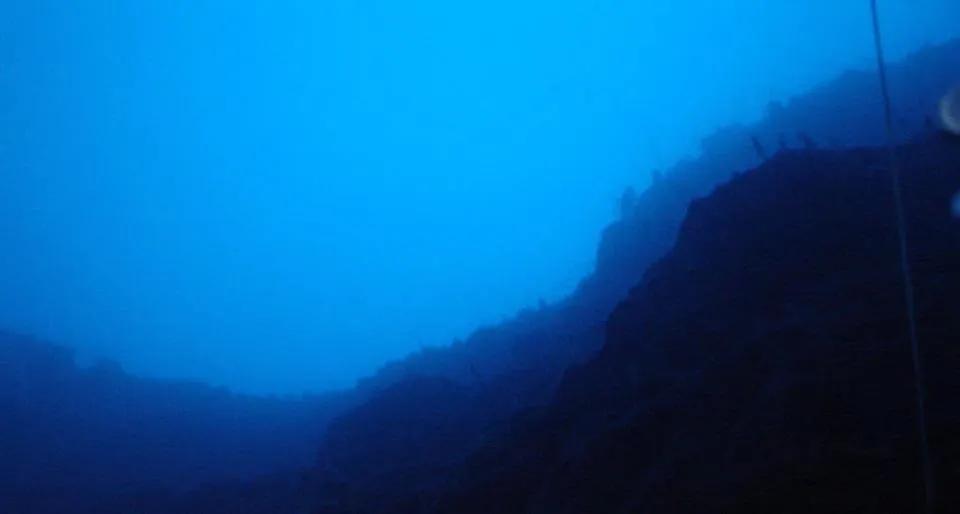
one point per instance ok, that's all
(763, 365)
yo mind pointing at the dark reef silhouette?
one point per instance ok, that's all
(763, 365)
(740, 346)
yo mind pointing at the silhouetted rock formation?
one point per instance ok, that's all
(522, 360)
(763, 365)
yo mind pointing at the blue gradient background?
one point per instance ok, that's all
(280, 195)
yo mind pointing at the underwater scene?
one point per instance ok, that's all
(479, 257)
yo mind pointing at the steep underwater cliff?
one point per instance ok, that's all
(835, 117)
(764, 364)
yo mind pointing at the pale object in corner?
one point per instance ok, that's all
(950, 118)
(950, 111)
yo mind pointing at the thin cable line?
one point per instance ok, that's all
(905, 266)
